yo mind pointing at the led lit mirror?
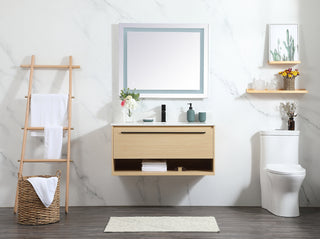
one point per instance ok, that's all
(164, 60)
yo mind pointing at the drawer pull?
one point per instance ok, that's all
(164, 132)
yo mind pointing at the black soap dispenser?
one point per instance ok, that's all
(163, 113)
(191, 116)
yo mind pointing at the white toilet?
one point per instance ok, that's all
(281, 175)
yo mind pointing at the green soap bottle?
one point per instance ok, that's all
(191, 116)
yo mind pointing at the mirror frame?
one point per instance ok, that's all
(202, 81)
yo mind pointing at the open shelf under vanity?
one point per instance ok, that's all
(174, 167)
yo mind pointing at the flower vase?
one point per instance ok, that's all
(289, 83)
(129, 116)
(291, 123)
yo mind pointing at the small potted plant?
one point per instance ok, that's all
(289, 109)
(289, 77)
(129, 100)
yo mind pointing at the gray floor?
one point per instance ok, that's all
(234, 222)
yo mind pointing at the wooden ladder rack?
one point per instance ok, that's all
(32, 66)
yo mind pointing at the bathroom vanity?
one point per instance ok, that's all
(187, 148)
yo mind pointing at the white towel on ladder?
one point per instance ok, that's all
(45, 188)
(53, 141)
(49, 111)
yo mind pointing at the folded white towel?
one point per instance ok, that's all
(45, 188)
(53, 141)
(48, 110)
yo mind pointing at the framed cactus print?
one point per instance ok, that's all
(283, 42)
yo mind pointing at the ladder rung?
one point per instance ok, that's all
(27, 97)
(42, 128)
(52, 66)
(43, 160)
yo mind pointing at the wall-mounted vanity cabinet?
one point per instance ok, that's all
(188, 149)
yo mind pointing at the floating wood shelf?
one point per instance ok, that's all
(299, 91)
(284, 62)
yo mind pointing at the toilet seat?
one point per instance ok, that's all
(286, 169)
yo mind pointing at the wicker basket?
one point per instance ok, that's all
(289, 84)
(31, 210)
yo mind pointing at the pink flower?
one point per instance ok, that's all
(123, 103)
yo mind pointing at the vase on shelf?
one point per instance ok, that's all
(289, 83)
(289, 76)
(291, 123)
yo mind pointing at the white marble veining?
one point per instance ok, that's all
(238, 51)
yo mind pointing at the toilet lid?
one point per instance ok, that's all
(286, 169)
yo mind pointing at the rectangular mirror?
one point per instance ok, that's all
(164, 60)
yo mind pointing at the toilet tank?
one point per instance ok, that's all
(279, 147)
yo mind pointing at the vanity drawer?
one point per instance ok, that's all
(163, 142)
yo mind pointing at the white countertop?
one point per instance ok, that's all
(163, 124)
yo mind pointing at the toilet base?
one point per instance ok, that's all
(282, 196)
(281, 213)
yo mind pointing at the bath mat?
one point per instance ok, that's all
(162, 224)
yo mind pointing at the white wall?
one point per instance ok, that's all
(309, 118)
(87, 30)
